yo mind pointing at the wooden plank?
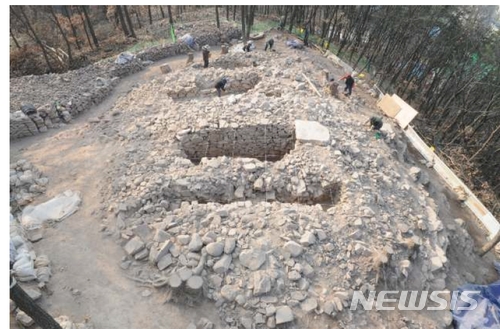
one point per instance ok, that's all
(313, 87)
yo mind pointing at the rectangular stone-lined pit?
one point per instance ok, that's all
(263, 142)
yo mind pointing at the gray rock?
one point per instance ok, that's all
(309, 305)
(229, 292)
(307, 239)
(252, 258)
(284, 314)
(24, 319)
(298, 295)
(246, 322)
(262, 283)
(259, 319)
(271, 322)
(270, 310)
(34, 293)
(294, 276)
(293, 248)
(164, 249)
(185, 274)
(204, 323)
(165, 262)
(215, 249)
(415, 173)
(183, 239)
(223, 264)
(196, 243)
(241, 300)
(328, 307)
(229, 245)
(321, 234)
(134, 246)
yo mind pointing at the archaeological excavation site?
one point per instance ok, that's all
(139, 198)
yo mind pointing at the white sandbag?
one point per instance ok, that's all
(42, 261)
(24, 268)
(56, 209)
(43, 274)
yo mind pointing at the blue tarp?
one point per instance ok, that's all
(487, 313)
(189, 40)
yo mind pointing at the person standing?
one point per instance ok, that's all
(269, 44)
(206, 54)
(349, 84)
(306, 35)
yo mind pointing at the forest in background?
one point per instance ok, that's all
(443, 60)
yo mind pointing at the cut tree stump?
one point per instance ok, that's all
(194, 285)
(175, 281)
(165, 68)
(190, 58)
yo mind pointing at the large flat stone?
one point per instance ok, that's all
(311, 132)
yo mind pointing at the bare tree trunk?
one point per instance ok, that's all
(234, 13)
(14, 38)
(26, 23)
(150, 16)
(138, 19)
(227, 13)
(91, 28)
(162, 12)
(70, 56)
(249, 20)
(217, 16)
(84, 26)
(283, 24)
(243, 10)
(129, 22)
(32, 309)
(170, 18)
(73, 29)
(292, 18)
(122, 21)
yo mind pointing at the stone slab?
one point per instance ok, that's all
(311, 132)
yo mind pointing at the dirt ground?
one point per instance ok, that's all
(85, 259)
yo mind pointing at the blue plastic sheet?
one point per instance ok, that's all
(487, 313)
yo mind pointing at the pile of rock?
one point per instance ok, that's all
(26, 182)
(237, 231)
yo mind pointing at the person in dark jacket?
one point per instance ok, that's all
(206, 54)
(306, 35)
(376, 123)
(269, 44)
(220, 85)
(248, 46)
(349, 84)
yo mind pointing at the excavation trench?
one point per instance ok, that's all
(269, 143)
(262, 142)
